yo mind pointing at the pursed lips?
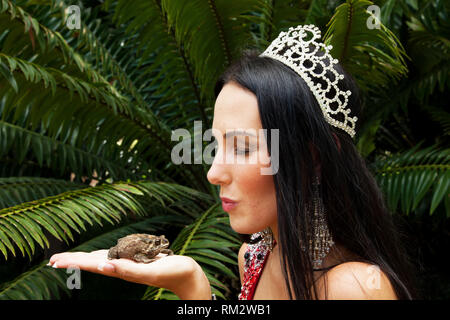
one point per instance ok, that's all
(228, 204)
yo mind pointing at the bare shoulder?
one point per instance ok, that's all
(357, 281)
(241, 260)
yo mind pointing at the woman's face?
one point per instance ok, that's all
(240, 179)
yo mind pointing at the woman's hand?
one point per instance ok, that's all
(179, 274)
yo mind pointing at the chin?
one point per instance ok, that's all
(244, 227)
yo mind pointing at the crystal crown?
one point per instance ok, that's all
(298, 49)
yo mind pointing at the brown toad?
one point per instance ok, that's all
(140, 247)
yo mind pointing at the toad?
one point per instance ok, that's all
(140, 247)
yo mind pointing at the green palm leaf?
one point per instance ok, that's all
(16, 190)
(406, 178)
(101, 102)
(440, 116)
(56, 154)
(213, 28)
(24, 224)
(363, 50)
(38, 283)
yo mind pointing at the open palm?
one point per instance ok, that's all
(161, 273)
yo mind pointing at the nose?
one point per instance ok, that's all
(219, 173)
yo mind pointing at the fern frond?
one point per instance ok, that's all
(363, 50)
(16, 190)
(61, 215)
(113, 127)
(407, 178)
(440, 116)
(38, 283)
(58, 155)
(212, 33)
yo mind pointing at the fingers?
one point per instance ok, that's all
(98, 262)
(63, 260)
(83, 260)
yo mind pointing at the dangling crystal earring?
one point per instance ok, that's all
(322, 240)
(267, 238)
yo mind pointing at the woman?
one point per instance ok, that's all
(319, 225)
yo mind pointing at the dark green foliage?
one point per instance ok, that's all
(86, 119)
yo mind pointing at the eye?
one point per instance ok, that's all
(241, 152)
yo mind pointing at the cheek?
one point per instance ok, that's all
(257, 208)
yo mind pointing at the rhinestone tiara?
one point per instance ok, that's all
(298, 49)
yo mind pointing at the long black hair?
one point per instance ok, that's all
(357, 216)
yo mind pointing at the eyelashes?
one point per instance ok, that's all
(238, 148)
(241, 152)
(238, 151)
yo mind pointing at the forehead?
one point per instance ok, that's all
(236, 108)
